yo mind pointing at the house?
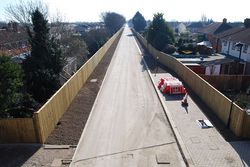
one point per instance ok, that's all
(181, 28)
(212, 30)
(207, 65)
(236, 43)
(218, 66)
(195, 27)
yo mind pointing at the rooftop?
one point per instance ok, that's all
(215, 28)
(242, 35)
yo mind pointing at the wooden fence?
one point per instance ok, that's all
(18, 129)
(213, 98)
(38, 128)
(226, 82)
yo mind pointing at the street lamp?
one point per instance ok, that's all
(239, 45)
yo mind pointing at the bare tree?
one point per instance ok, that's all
(59, 26)
(22, 10)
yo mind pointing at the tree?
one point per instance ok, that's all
(159, 34)
(113, 21)
(43, 66)
(139, 22)
(95, 38)
(21, 12)
(11, 82)
(75, 46)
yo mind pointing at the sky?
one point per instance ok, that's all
(174, 10)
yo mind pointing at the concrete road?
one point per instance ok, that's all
(127, 125)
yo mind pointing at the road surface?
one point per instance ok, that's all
(127, 125)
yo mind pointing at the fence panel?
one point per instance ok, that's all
(20, 130)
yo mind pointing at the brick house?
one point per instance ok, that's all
(212, 30)
(230, 38)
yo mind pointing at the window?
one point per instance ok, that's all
(245, 47)
(233, 46)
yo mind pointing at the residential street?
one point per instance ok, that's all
(127, 125)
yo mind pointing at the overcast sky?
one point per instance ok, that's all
(180, 10)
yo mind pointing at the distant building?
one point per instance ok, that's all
(195, 27)
(13, 40)
(212, 30)
(181, 28)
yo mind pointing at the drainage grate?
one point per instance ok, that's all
(93, 80)
(162, 159)
(66, 161)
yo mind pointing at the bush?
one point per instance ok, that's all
(204, 50)
(24, 108)
(169, 49)
(95, 39)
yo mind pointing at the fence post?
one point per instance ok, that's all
(37, 127)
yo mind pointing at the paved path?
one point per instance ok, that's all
(206, 146)
(127, 125)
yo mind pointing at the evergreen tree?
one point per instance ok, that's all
(11, 81)
(139, 22)
(43, 66)
(159, 34)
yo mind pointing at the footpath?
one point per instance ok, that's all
(206, 147)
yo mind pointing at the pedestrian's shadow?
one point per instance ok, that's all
(143, 66)
(185, 107)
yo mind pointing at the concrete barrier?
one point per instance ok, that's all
(38, 128)
(218, 102)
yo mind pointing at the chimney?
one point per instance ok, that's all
(224, 20)
(247, 23)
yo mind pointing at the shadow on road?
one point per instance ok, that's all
(16, 154)
(243, 149)
(173, 97)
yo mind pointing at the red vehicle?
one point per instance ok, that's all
(171, 85)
